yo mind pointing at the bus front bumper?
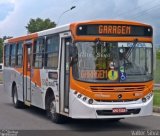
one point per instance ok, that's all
(103, 110)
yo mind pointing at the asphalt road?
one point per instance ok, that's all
(35, 119)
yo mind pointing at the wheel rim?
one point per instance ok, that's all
(53, 107)
(15, 97)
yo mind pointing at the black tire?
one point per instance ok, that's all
(16, 102)
(51, 112)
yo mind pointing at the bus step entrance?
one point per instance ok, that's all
(27, 103)
(66, 110)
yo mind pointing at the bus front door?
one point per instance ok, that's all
(27, 73)
(64, 74)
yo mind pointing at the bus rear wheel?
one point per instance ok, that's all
(52, 114)
(16, 102)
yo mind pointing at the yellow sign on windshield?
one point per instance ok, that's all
(113, 75)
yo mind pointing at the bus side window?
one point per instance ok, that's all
(52, 51)
(13, 55)
(19, 55)
(38, 53)
(29, 58)
(6, 55)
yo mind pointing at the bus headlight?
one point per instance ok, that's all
(147, 97)
(79, 95)
(144, 99)
(83, 98)
(90, 101)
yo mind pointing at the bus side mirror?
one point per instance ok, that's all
(73, 54)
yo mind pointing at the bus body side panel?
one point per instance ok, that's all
(7, 80)
(19, 82)
(48, 83)
(40, 84)
(11, 76)
(36, 89)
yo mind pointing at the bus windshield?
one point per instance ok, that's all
(113, 62)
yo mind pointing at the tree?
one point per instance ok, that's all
(1, 46)
(1, 50)
(39, 24)
(7, 37)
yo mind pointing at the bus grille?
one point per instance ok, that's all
(116, 88)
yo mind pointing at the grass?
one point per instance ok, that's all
(156, 100)
(157, 72)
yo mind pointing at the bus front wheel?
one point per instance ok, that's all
(52, 114)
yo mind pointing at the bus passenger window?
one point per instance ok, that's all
(6, 55)
(52, 51)
(19, 55)
(38, 53)
(13, 55)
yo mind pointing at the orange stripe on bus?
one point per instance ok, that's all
(19, 70)
(36, 78)
(23, 38)
(112, 39)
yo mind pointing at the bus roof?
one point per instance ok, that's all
(111, 22)
(39, 34)
(67, 28)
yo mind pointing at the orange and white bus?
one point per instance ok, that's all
(91, 70)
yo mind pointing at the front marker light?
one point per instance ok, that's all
(79, 95)
(84, 98)
(144, 99)
(147, 97)
(90, 101)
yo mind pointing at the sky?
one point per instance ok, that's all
(15, 14)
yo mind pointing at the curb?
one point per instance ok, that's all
(156, 109)
(156, 86)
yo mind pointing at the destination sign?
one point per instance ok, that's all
(93, 74)
(114, 30)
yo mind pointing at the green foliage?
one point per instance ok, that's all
(1, 50)
(1, 47)
(39, 24)
(158, 54)
(156, 100)
(157, 72)
(6, 37)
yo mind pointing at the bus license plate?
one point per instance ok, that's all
(119, 110)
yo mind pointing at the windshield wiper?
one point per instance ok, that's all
(131, 49)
